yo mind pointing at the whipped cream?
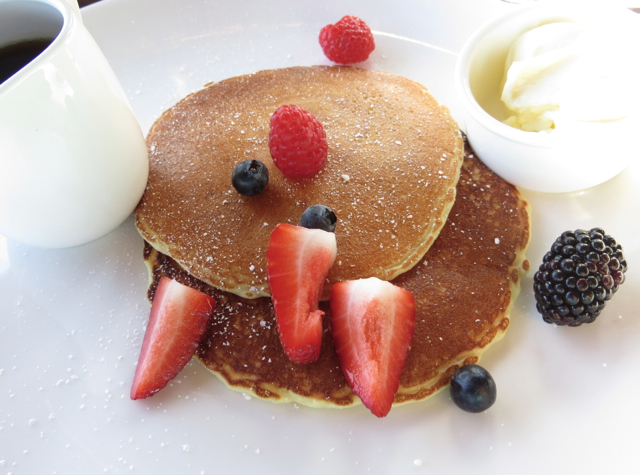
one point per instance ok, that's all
(567, 74)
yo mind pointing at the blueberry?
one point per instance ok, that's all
(319, 217)
(250, 177)
(472, 388)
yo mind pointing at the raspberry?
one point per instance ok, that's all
(297, 142)
(578, 276)
(348, 41)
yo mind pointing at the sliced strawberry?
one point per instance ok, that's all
(298, 261)
(178, 320)
(372, 325)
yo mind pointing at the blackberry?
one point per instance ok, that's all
(578, 276)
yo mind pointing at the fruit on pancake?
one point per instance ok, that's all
(348, 41)
(297, 142)
(250, 177)
(178, 319)
(298, 260)
(578, 276)
(319, 217)
(391, 182)
(372, 323)
(464, 289)
(472, 388)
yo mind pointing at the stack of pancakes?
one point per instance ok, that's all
(395, 165)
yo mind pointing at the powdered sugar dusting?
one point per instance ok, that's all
(388, 143)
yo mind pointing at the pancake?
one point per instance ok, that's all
(389, 141)
(464, 288)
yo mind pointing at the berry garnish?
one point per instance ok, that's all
(297, 142)
(298, 261)
(178, 320)
(578, 276)
(319, 217)
(472, 388)
(250, 177)
(348, 41)
(372, 323)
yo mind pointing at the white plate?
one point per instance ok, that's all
(71, 321)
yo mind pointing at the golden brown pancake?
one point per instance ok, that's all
(389, 142)
(464, 288)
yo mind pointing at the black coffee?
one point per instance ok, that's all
(15, 56)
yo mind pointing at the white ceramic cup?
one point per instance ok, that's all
(555, 162)
(73, 160)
